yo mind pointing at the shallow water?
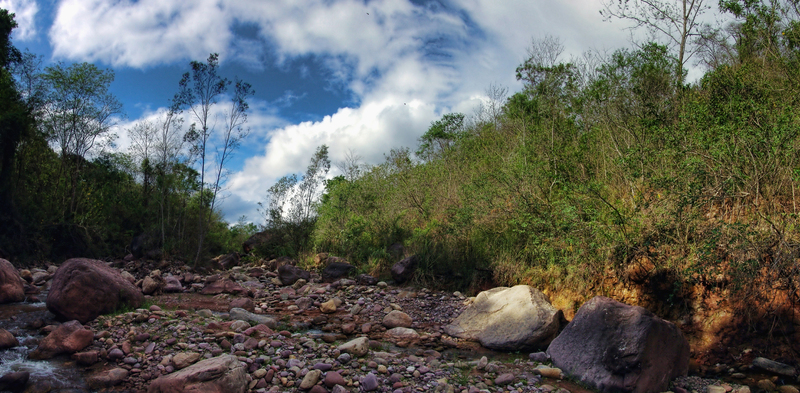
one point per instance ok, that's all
(55, 374)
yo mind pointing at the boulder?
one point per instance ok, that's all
(289, 274)
(153, 284)
(69, 337)
(225, 262)
(7, 340)
(615, 347)
(403, 270)
(397, 319)
(222, 374)
(336, 269)
(14, 382)
(11, 284)
(172, 284)
(83, 289)
(256, 240)
(774, 367)
(509, 319)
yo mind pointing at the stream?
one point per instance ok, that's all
(57, 375)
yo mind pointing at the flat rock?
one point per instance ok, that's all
(185, 359)
(356, 347)
(69, 337)
(107, 379)
(239, 313)
(774, 367)
(222, 374)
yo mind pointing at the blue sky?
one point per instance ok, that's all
(360, 76)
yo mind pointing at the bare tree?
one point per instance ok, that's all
(676, 21)
(200, 91)
(351, 166)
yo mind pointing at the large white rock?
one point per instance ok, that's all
(517, 318)
(356, 347)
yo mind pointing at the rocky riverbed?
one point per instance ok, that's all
(319, 337)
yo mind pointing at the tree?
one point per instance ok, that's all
(199, 91)
(676, 21)
(440, 136)
(78, 116)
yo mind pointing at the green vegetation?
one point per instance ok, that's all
(63, 195)
(599, 163)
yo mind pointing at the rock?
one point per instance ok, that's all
(766, 384)
(369, 383)
(336, 268)
(403, 270)
(328, 307)
(185, 359)
(243, 303)
(239, 326)
(289, 274)
(216, 284)
(26, 275)
(83, 289)
(85, 358)
(238, 313)
(172, 284)
(39, 278)
(311, 379)
(70, 337)
(615, 347)
(715, 389)
(14, 382)
(12, 287)
(7, 340)
(107, 379)
(396, 319)
(774, 367)
(225, 262)
(785, 389)
(402, 333)
(366, 279)
(127, 276)
(356, 347)
(333, 378)
(303, 303)
(256, 240)
(504, 379)
(222, 374)
(508, 319)
(115, 354)
(540, 357)
(152, 284)
(551, 372)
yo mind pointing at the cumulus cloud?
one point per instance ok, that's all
(405, 63)
(25, 14)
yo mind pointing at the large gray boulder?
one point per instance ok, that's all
(222, 374)
(11, 283)
(84, 289)
(615, 347)
(509, 319)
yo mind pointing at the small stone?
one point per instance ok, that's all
(260, 373)
(766, 384)
(715, 389)
(328, 307)
(505, 379)
(369, 383)
(482, 363)
(311, 379)
(551, 372)
(333, 378)
(185, 359)
(788, 389)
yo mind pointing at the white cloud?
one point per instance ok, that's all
(25, 14)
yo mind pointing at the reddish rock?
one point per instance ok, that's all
(615, 347)
(7, 340)
(70, 337)
(11, 284)
(225, 262)
(83, 289)
(86, 358)
(243, 302)
(172, 284)
(14, 382)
